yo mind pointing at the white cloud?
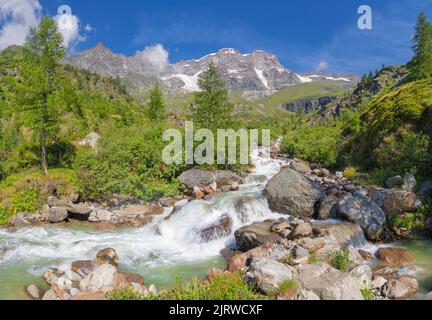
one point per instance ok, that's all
(322, 65)
(156, 55)
(69, 27)
(16, 16)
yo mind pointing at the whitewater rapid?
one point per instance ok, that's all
(176, 240)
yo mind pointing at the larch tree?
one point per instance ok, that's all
(40, 81)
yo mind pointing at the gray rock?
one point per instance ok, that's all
(34, 292)
(327, 208)
(392, 201)
(50, 295)
(203, 178)
(409, 183)
(103, 278)
(307, 295)
(300, 166)
(365, 213)
(268, 274)
(400, 288)
(100, 215)
(328, 283)
(290, 192)
(57, 214)
(363, 275)
(254, 235)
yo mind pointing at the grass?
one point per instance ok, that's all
(307, 90)
(229, 286)
(288, 289)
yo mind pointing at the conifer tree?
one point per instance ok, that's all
(156, 106)
(421, 64)
(40, 81)
(211, 107)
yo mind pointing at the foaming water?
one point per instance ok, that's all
(176, 240)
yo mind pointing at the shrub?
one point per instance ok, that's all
(350, 172)
(340, 260)
(220, 287)
(409, 221)
(314, 143)
(367, 293)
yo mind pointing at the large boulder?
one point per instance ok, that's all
(290, 192)
(392, 201)
(254, 235)
(365, 213)
(400, 288)
(395, 256)
(346, 233)
(103, 278)
(203, 178)
(328, 283)
(268, 274)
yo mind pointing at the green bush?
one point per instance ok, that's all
(404, 151)
(367, 293)
(129, 161)
(340, 260)
(314, 143)
(220, 287)
(409, 221)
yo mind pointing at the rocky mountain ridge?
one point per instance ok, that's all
(255, 75)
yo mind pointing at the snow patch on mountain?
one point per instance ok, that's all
(191, 82)
(260, 74)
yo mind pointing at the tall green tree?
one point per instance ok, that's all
(156, 105)
(40, 80)
(421, 64)
(211, 107)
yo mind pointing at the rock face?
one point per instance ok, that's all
(254, 235)
(395, 256)
(365, 213)
(268, 274)
(290, 192)
(308, 105)
(392, 201)
(328, 283)
(203, 178)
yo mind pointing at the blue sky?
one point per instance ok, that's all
(303, 34)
